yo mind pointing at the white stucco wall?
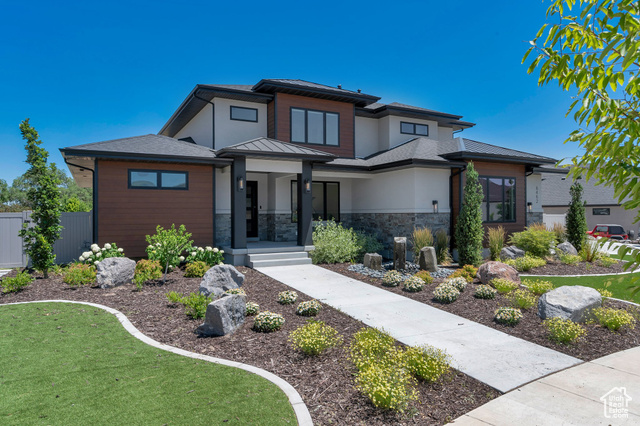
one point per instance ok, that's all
(223, 190)
(366, 138)
(534, 192)
(229, 132)
(444, 133)
(200, 128)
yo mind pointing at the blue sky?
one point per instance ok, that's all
(91, 71)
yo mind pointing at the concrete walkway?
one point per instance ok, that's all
(570, 397)
(502, 361)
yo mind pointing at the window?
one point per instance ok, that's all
(414, 129)
(499, 203)
(316, 127)
(244, 114)
(158, 179)
(605, 211)
(325, 202)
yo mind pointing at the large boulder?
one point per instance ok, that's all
(511, 252)
(490, 270)
(219, 279)
(224, 316)
(373, 261)
(399, 253)
(569, 302)
(567, 248)
(115, 271)
(428, 261)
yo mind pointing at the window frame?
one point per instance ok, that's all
(601, 211)
(414, 128)
(294, 211)
(306, 126)
(486, 204)
(159, 177)
(231, 107)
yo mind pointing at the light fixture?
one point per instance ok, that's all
(307, 186)
(240, 183)
(529, 206)
(435, 206)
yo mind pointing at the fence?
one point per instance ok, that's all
(551, 219)
(76, 237)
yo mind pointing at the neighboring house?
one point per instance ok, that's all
(601, 205)
(238, 164)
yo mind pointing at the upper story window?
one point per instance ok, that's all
(414, 129)
(244, 114)
(317, 127)
(499, 204)
(158, 179)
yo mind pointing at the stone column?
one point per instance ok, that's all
(238, 203)
(399, 253)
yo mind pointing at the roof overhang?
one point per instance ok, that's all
(464, 155)
(443, 119)
(270, 86)
(396, 165)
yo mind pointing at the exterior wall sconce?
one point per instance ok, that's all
(307, 186)
(529, 206)
(240, 183)
(435, 206)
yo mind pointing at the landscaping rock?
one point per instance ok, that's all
(224, 316)
(373, 261)
(115, 271)
(567, 248)
(428, 260)
(490, 270)
(399, 252)
(219, 279)
(511, 252)
(569, 302)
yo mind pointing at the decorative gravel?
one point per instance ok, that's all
(410, 270)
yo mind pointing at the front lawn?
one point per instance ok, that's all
(619, 284)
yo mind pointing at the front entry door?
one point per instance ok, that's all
(252, 209)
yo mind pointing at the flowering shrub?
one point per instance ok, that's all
(427, 362)
(538, 287)
(468, 272)
(309, 308)
(369, 346)
(604, 292)
(526, 263)
(252, 308)
(314, 338)
(503, 285)
(195, 304)
(446, 293)
(386, 387)
(458, 282)
(212, 256)
(146, 270)
(196, 269)
(287, 297)
(614, 319)
(392, 279)
(563, 330)
(96, 254)
(17, 283)
(424, 276)
(413, 284)
(167, 245)
(79, 274)
(508, 316)
(266, 322)
(239, 291)
(523, 299)
(485, 292)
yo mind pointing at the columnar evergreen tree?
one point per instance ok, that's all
(44, 197)
(469, 231)
(576, 220)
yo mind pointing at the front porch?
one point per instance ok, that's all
(268, 253)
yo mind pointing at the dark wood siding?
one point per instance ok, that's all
(271, 120)
(285, 101)
(126, 216)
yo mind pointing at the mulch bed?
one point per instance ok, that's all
(598, 342)
(581, 268)
(325, 382)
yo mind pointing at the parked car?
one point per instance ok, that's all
(615, 232)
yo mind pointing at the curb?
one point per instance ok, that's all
(300, 409)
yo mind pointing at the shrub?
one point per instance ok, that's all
(413, 284)
(495, 238)
(614, 319)
(252, 308)
(442, 247)
(538, 287)
(576, 220)
(309, 308)
(174, 297)
(370, 346)
(387, 387)
(17, 283)
(425, 276)
(334, 244)
(196, 269)
(267, 322)
(195, 304)
(590, 251)
(604, 292)
(563, 330)
(421, 237)
(146, 270)
(392, 279)
(523, 299)
(97, 254)
(239, 291)
(560, 232)
(508, 316)
(314, 338)
(79, 274)
(212, 256)
(469, 231)
(427, 363)
(503, 285)
(526, 263)
(458, 282)
(468, 272)
(606, 261)
(367, 243)
(287, 297)
(485, 292)
(167, 245)
(446, 293)
(569, 259)
(535, 242)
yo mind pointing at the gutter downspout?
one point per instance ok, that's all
(94, 201)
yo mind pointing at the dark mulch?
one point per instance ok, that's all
(581, 268)
(325, 382)
(598, 342)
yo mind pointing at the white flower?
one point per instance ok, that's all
(159, 245)
(86, 254)
(96, 262)
(200, 249)
(120, 250)
(215, 250)
(222, 251)
(209, 248)
(220, 263)
(95, 248)
(181, 258)
(81, 259)
(98, 254)
(150, 247)
(193, 253)
(170, 266)
(107, 246)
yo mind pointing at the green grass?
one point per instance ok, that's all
(76, 365)
(619, 284)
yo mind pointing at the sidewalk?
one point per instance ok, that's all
(502, 361)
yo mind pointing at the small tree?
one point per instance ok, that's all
(167, 246)
(469, 231)
(44, 197)
(576, 221)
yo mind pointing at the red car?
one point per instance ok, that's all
(615, 232)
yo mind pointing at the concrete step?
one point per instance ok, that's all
(281, 255)
(279, 262)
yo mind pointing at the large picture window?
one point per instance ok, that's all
(325, 204)
(158, 179)
(315, 127)
(499, 203)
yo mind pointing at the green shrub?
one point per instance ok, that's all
(196, 269)
(370, 346)
(309, 308)
(526, 263)
(508, 316)
(458, 282)
(146, 270)
(79, 274)
(535, 242)
(267, 322)
(17, 283)
(503, 285)
(287, 297)
(212, 256)
(425, 276)
(576, 220)
(607, 262)
(523, 299)
(334, 244)
(314, 338)
(569, 259)
(367, 243)
(167, 245)
(387, 387)
(604, 292)
(427, 363)
(195, 304)
(174, 297)
(560, 233)
(413, 284)
(590, 251)
(421, 237)
(392, 279)
(614, 319)
(442, 243)
(468, 272)
(495, 238)
(97, 254)
(485, 292)
(538, 287)
(446, 293)
(252, 308)
(469, 231)
(563, 330)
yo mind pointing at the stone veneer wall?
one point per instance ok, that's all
(534, 217)
(223, 230)
(280, 228)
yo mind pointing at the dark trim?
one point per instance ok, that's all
(392, 165)
(238, 204)
(515, 186)
(270, 86)
(306, 126)
(275, 116)
(231, 107)
(305, 218)
(248, 153)
(213, 126)
(499, 158)
(528, 171)
(95, 201)
(159, 177)
(144, 157)
(324, 198)
(213, 205)
(414, 128)
(451, 224)
(354, 132)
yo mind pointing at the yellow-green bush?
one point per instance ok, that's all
(503, 285)
(614, 319)
(526, 263)
(522, 299)
(314, 338)
(252, 308)
(563, 330)
(17, 283)
(79, 274)
(370, 345)
(387, 387)
(424, 276)
(146, 270)
(468, 272)
(196, 269)
(427, 362)
(538, 287)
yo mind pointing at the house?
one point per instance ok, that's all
(243, 165)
